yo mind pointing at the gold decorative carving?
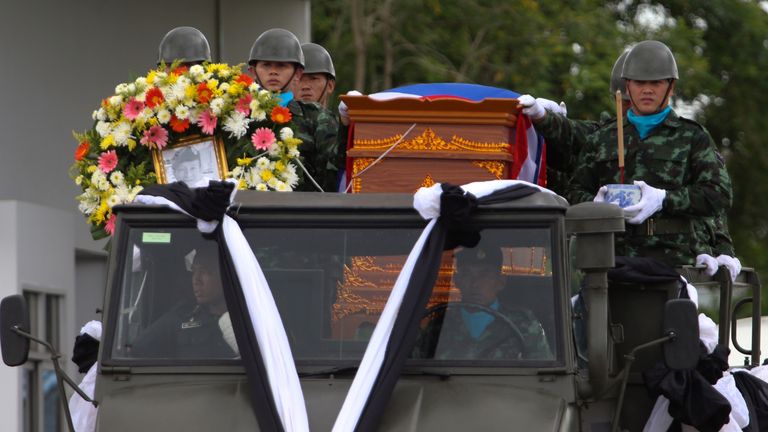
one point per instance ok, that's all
(494, 167)
(429, 140)
(357, 166)
(428, 181)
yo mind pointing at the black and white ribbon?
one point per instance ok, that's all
(274, 384)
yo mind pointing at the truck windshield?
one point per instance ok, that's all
(493, 302)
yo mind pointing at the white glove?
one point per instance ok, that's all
(343, 110)
(600, 195)
(709, 262)
(531, 107)
(731, 263)
(227, 333)
(553, 106)
(651, 201)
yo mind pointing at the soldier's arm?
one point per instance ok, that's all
(709, 191)
(723, 243)
(327, 145)
(565, 138)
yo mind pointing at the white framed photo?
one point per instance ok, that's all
(193, 161)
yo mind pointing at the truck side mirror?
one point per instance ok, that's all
(680, 318)
(14, 314)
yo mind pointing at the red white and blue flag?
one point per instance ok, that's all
(529, 151)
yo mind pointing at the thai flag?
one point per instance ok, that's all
(530, 148)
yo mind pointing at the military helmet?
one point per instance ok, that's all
(479, 256)
(318, 60)
(616, 82)
(650, 60)
(186, 44)
(278, 45)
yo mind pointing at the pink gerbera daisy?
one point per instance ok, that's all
(244, 104)
(109, 226)
(155, 136)
(107, 161)
(207, 122)
(133, 108)
(263, 138)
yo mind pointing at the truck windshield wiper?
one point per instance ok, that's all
(342, 370)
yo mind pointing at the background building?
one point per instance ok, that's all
(59, 59)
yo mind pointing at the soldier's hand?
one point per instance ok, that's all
(709, 262)
(731, 263)
(343, 110)
(552, 106)
(600, 196)
(531, 107)
(651, 201)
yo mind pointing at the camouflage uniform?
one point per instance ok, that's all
(317, 128)
(678, 156)
(565, 138)
(713, 232)
(446, 338)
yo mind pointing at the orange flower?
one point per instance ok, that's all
(180, 70)
(244, 79)
(154, 97)
(281, 115)
(204, 94)
(179, 125)
(82, 150)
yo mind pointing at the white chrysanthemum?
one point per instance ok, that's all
(97, 176)
(236, 172)
(123, 193)
(122, 132)
(274, 150)
(236, 124)
(89, 201)
(252, 177)
(141, 97)
(178, 91)
(293, 151)
(103, 184)
(117, 178)
(103, 128)
(79, 180)
(272, 183)
(282, 187)
(259, 115)
(254, 105)
(163, 116)
(182, 112)
(289, 175)
(141, 82)
(207, 76)
(254, 87)
(135, 191)
(264, 95)
(286, 133)
(161, 76)
(113, 200)
(101, 115)
(95, 114)
(115, 100)
(262, 163)
(262, 187)
(121, 88)
(197, 71)
(131, 88)
(224, 87)
(217, 104)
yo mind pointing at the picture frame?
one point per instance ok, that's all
(193, 160)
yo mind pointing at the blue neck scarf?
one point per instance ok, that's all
(285, 98)
(476, 322)
(646, 123)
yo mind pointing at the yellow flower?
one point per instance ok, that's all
(79, 180)
(266, 175)
(151, 76)
(153, 121)
(172, 78)
(131, 144)
(235, 89)
(245, 161)
(190, 91)
(107, 142)
(292, 141)
(279, 166)
(91, 169)
(242, 185)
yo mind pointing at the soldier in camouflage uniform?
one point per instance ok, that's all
(672, 159)
(277, 62)
(490, 331)
(566, 137)
(318, 81)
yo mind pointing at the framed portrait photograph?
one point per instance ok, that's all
(194, 161)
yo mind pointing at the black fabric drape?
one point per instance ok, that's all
(456, 209)
(209, 204)
(85, 352)
(641, 270)
(755, 393)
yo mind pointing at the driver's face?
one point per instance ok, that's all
(479, 284)
(206, 284)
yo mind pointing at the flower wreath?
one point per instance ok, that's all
(113, 161)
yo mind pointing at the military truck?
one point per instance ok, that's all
(330, 261)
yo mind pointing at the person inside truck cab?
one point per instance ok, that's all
(191, 328)
(480, 326)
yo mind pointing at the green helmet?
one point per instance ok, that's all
(278, 45)
(186, 44)
(616, 82)
(318, 60)
(650, 60)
